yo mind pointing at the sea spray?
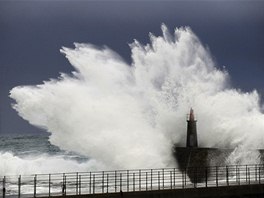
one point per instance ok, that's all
(130, 115)
(27, 155)
(15, 165)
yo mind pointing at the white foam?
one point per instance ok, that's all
(14, 165)
(129, 116)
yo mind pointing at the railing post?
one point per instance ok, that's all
(62, 185)
(103, 182)
(259, 175)
(19, 186)
(77, 183)
(185, 176)
(90, 185)
(238, 176)
(158, 180)
(49, 183)
(216, 176)
(171, 178)
(35, 185)
(206, 177)
(80, 184)
(115, 182)
(139, 185)
(163, 178)
(195, 176)
(127, 180)
(93, 183)
(227, 176)
(183, 179)
(65, 183)
(120, 188)
(151, 179)
(261, 172)
(107, 182)
(4, 186)
(174, 175)
(146, 180)
(248, 175)
(256, 172)
(133, 181)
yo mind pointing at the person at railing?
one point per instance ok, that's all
(4, 192)
(63, 189)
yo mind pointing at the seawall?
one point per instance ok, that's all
(252, 191)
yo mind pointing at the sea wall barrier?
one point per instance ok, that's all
(123, 181)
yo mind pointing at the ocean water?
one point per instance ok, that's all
(33, 154)
(23, 146)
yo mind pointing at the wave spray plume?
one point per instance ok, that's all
(129, 116)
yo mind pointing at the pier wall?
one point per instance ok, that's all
(243, 191)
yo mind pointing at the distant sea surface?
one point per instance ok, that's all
(35, 154)
(28, 145)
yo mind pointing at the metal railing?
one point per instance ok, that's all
(129, 180)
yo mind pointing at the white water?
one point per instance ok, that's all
(129, 116)
(14, 165)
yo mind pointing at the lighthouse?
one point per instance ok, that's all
(192, 141)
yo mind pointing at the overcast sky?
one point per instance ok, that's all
(32, 32)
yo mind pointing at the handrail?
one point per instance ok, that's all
(77, 183)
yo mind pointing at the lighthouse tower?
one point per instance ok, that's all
(191, 131)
